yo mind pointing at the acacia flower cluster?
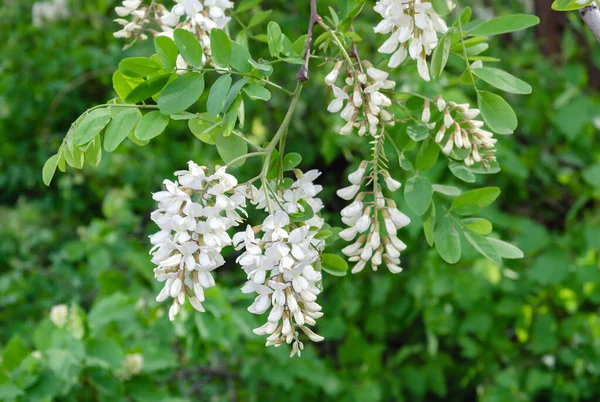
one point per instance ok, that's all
(363, 218)
(194, 214)
(195, 16)
(198, 17)
(139, 17)
(459, 129)
(413, 26)
(365, 104)
(281, 263)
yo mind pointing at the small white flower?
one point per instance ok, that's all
(347, 193)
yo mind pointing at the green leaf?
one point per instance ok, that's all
(483, 246)
(205, 131)
(116, 307)
(428, 221)
(245, 5)
(447, 190)
(255, 91)
(9, 392)
(428, 155)
(120, 127)
(460, 171)
(502, 80)
(274, 38)
(233, 93)
(417, 193)
(496, 112)
(218, 94)
(263, 69)
(231, 116)
(258, 18)
(106, 350)
(447, 240)
(505, 24)
(90, 126)
(220, 47)
(291, 160)
(14, 352)
(148, 88)
(333, 264)
(417, 132)
(74, 156)
(123, 84)
(440, 54)
(231, 147)
(550, 268)
(239, 58)
(49, 169)
(472, 201)
(181, 93)
(138, 66)
(167, 51)
(189, 47)
(93, 154)
(306, 212)
(151, 125)
(569, 5)
(506, 250)
(441, 7)
(478, 225)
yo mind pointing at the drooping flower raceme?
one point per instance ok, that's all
(412, 26)
(196, 16)
(461, 131)
(365, 109)
(138, 14)
(372, 221)
(194, 213)
(281, 260)
(361, 102)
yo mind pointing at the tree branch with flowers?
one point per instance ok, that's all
(274, 219)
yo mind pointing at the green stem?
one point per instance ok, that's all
(338, 44)
(283, 128)
(281, 132)
(243, 157)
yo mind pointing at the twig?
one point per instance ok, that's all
(591, 16)
(314, 18)
(354, 53)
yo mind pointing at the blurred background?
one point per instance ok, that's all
(528, 330)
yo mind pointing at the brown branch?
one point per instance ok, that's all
(354, 53)
(314, 18)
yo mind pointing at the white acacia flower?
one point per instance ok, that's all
(338, 102)
(412, 26)
(280, 264)
(364, 220)
(361, 102)
(460, 130)
(193, 215)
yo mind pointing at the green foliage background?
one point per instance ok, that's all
(525, 331)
